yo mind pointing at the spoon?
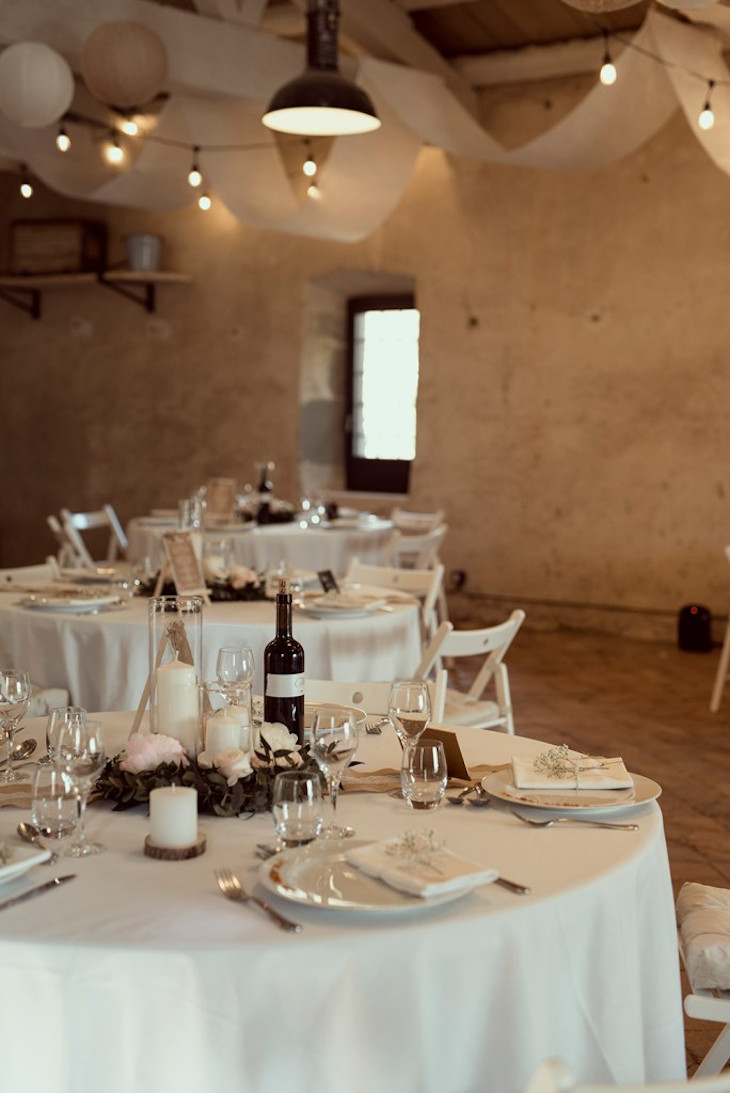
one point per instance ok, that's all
(458, 799)
(24, 749)
(31, 834)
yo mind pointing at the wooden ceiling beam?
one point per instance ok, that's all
(533, 62)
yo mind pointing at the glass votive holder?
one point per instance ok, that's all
(424, 774)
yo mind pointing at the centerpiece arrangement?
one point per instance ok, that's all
(240, 585)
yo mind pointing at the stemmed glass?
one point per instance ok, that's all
(409, 708)
(235, 665)
(58, 718)
(14, 703)
(80, 755)
(334, 742)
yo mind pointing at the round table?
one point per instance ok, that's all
(139, 975)
(103, 659)
(263, 548)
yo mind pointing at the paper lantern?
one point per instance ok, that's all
(36, 84)
(123, 64)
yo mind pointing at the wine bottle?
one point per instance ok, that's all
(265, 490)
(284, 670)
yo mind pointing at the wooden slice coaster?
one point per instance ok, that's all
(175, 853)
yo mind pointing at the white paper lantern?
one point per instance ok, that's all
(124, 64)
(36, 84)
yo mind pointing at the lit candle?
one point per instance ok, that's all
(173, 816)
(177, 703)
(227, 728)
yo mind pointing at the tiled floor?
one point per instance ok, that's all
(650, 704)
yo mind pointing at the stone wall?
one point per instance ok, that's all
(574, 375)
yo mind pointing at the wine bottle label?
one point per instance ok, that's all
(285, 686)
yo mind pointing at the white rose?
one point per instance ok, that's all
(233, 764)
(278, 737)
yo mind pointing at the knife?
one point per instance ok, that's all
(55, 883)
(520, 889)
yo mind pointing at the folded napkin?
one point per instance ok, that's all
(583, 772)
(703, 913)
(414, 864)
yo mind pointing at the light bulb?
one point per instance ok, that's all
(313, 191)
(309, 167)
(706, 119)
(26, 189)
(195, 177)
(129, 126)
(113, 151)
(204, 202)
(608, 72)
(63, 140)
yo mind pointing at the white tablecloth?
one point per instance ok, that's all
(138, 977)
(103, 660)
(263, 548)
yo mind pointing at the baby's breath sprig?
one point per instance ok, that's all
(416, 848)
(557, 762)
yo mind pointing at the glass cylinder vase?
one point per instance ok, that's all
(176, 659)
(225, 714)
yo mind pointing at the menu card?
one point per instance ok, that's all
(221, 500)
(184, 564)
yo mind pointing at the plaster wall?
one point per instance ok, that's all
(574, 376)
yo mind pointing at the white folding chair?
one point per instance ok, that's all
(703, 917)
(103, 519)
(424, 584)
(371, 697)
(721, 676)
(554, 1076)
(416, 522)
(66, 555)
(491, 642)
(418, 550)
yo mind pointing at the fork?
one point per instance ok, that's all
(232, 888)
(574, 820)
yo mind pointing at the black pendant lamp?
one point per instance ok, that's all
(321, 102)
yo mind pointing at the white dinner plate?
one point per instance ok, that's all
(345, 605)
(22, 859)
(100, 574)
(501, 785)
(70, 605)
(319, 876)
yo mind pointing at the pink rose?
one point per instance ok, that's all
(232, 763)
(241, 576)
(147, 752)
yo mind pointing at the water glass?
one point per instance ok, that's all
(54, 807)
(297, 807)
(424, 774)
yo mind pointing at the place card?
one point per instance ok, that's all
(185, 567)
(455, 764)
(327, 580)
(221, 500)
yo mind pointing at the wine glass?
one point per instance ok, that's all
(297, 807)
(424, 774)
(54, 807)
(14, 703)
(58, 717)
(334, 742)
(80, 756)
(235, 665)
(409, 708)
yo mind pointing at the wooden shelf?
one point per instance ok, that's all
(25, 290)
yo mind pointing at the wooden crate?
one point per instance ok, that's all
(57, 246)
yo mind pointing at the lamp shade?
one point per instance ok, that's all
(124, 64)
(321, 102)
(36, 84)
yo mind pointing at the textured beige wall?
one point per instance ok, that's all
(574, 375)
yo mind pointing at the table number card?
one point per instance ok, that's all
(328, 581)
(455, 764)
(221, 496)
(184, 564)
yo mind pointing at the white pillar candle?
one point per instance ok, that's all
(178, 714)
(173, 816)
(227, 728)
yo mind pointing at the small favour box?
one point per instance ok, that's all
(174, 824)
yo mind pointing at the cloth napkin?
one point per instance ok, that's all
(703, 913)
(432, 874)
(595, 773)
